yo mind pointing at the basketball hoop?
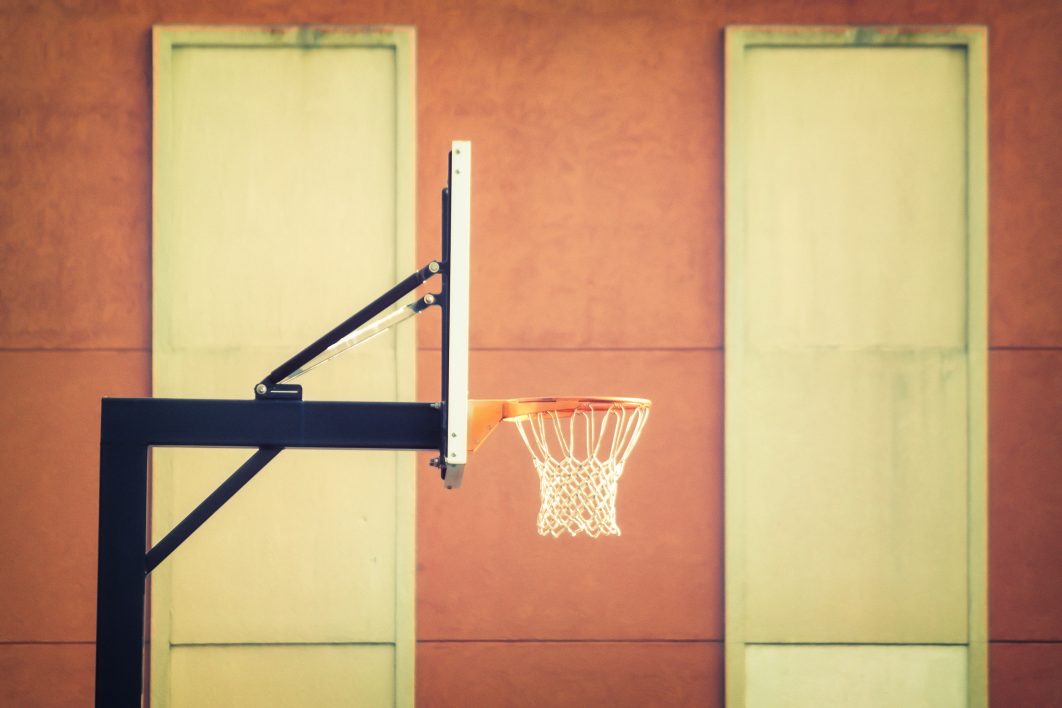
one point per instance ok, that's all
(579, 446)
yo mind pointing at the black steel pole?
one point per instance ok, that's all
(120, 578)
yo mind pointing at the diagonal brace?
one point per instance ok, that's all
(359, 318)
(208, 506)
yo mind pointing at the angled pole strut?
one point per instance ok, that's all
(198, 516)
(269, 384)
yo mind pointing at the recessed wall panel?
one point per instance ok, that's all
(855, 436)
(296, 556)
(856, 199)
(855, 366)
(283, 194)
(254, 676)
(282, 211)
(856, 488)
(283, 166)
(855, 677)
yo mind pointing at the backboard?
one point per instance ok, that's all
(456, 245)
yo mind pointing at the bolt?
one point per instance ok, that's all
(429, 299)
(433, 266)
(453, 435)
(436, 406)
(260, 389)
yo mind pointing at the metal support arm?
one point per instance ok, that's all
(277, 419)
(131, 426)
(198, 516)
(359, 318)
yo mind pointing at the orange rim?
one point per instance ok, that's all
(486, 414)
(517, 408)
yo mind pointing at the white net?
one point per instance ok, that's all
(579, 456)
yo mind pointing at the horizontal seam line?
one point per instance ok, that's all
(581, 349)
(33, 642)
(73, 349)
(432, 348)
(569, 641)
(342, 643)
(80, 642)
(1022, 348)
(856, 644)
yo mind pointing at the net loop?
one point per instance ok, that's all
(579, 456)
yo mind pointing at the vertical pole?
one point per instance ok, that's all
(120, 582)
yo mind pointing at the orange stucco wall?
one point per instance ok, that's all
(597, 268)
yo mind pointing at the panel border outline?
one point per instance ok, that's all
(402, 41)
(973, 40)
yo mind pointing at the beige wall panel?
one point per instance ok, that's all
(250, 677)
(855, 677)
(283, 195)
(855, 370)
(369, 374)
(283, 164)
(285, 229)
(855, 380)
(856, 197)
(304, 553)
(856, 526)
